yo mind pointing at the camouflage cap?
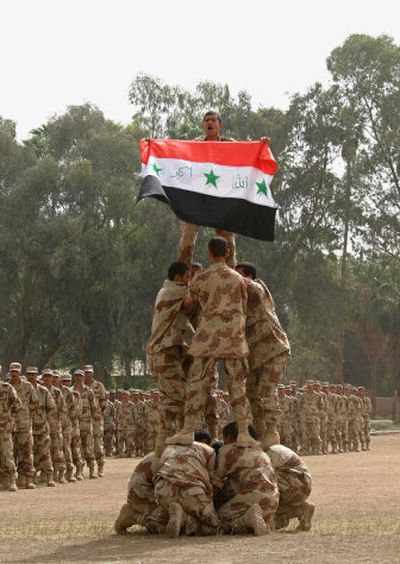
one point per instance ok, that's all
(309, 382)
(32, 370)
(15, 366)
(79, 372)
(361, 388)
(88, 368)
(66, 376)
(47, 372)
(56, 373)
(293, 383)
(324, 384)
(281, 387)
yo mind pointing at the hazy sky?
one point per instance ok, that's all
(57, 53)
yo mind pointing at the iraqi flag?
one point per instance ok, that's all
(219, 184)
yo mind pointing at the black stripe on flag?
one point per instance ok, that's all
(232, 214)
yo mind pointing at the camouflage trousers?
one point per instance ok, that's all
(324, 434)
(127, 441)
(202, 518)
(57, 453)
(23, 453)
(294, 487)
(87, 445)
(140, 439)
(285, 432)
(232, 512)
(353, 434)
(98, 432)
(168, 371)
(332, 434)
(76, 446)
(201, 375)
(42, 453)
(261, 389)
(108, 440)
(67, 441)
(7, 464)
(188, 241)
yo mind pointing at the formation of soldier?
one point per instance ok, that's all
(49, 428)
(324, 418)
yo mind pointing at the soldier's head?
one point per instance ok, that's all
(361, 391)
(15, 371)
(47, 377)
(230, 432)
(325, 387)
(247, 270)
(89, 374)
(178, 271)
(134, 395)
(281, 390)
(155, 395)
(111, 395)
(124, 396)
(56, 379)
(66, 379)
(317, 386)
(212, 125)
(202, 436)
(218, 249)
(32, 374)
(79, 376)
(339, 389)
(195, 267)
(332, 388)
(309, 386)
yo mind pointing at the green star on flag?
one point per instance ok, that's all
(211, 178)
(156, 168)
(262, 187)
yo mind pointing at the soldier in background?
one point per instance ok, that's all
(22, 428)
(117, 409)
(56, 419)
(140, 421)
(90, 412)
(126, 425)
(66, 424)
(41, 429)
(366, 412)
(323, 417)
(108, 416)
(285, 407)
(153, 419)
(311, 408)
(10, 404)
(74, 415)
(341, 410)
(98, 423)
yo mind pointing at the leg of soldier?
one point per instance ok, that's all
(67, 439)
(187, 241)
(125, 519)
(211, 415)
(255, 510)
(129, 441)
(42, 457)
(170, 377)
(252, 383)
(76, 448)
(270, 374)
(57, 456)
(366, 433)
(7, 463)
(230, 239)
(88, 450)
(23, 449)
(236, 371)
(98, 431)
(108, 442)
(201, 370)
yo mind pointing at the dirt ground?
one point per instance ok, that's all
(357, 519)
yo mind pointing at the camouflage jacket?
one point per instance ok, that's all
(47, 406)
(285, 460)
(30, 405)
(189, 466)
(125, 419)
(141, 482)
(108, 415)
(170, 326)
(10, 404)
(221, 295)
(100, 395)
(265, 336)
(245, 470)
(59, 415)
(90, 409)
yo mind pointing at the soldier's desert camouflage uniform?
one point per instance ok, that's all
(140, 420)
(294, 483)
(98, 424)
(153, 423)
(117, 432)
(323, 418)
(141, 501)
(223, 413)
(184, 477)
(355, 407)
(248, 479)
(310, 408)
(76, 444)
(221, 295)
(285, 405)
(22, 431)
(126, 426)
(366, 411)
(342, 411)
(109, 417)
(89, 413)
(330, 406)
(41, 434)
(56, 418)
(171, 334)
(10, 404)
(72, 410)
(295, 400)
(269, 350)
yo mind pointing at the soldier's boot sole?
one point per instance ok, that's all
(69, 475)
(29, 485)
(254, 519)
(100, 470)
(92, 475)
(175, 522)
(306, 518)
(12, 487)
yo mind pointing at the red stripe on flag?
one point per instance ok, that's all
(228, 153)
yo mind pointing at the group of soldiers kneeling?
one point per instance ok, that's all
(324, 418)
(204, 488)
(49, 429)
